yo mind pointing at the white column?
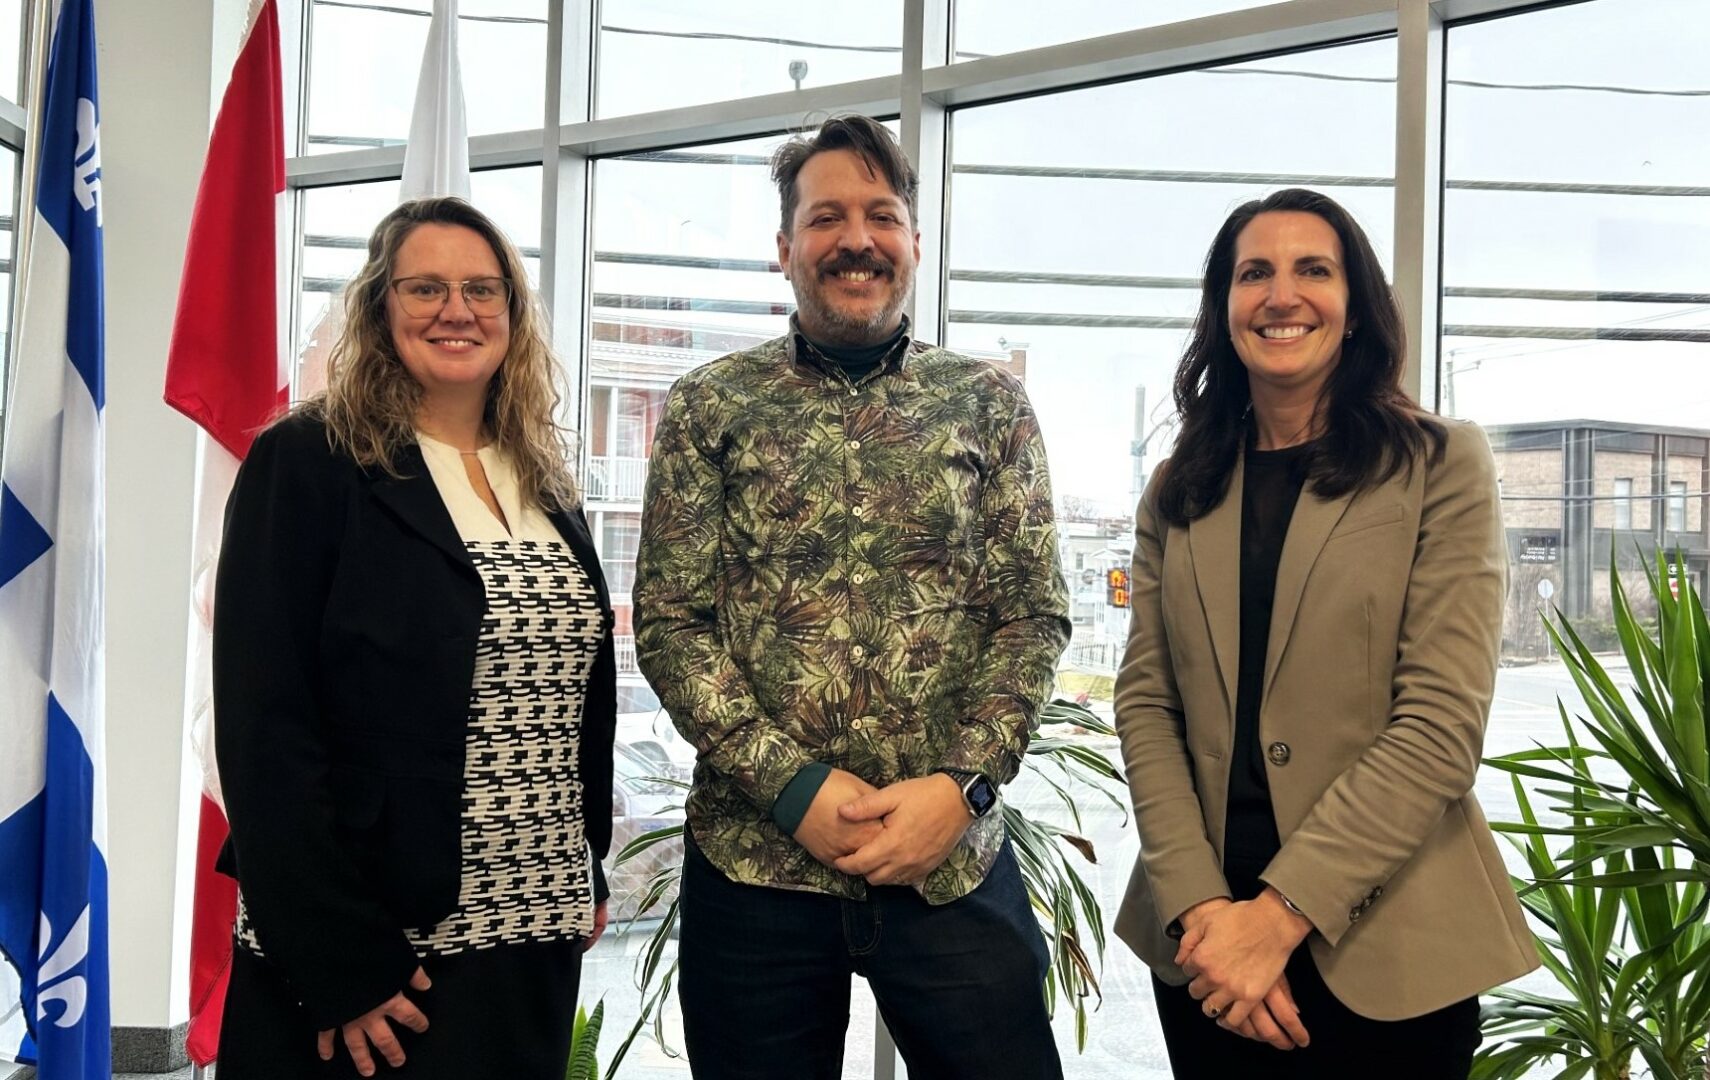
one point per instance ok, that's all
(154, 131)
(1419, 189)
(925, 138)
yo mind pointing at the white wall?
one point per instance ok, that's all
(154, 69)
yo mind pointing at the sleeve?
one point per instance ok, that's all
(602, 890)
(1021, 588)
(798, 795)
(1175, 852)
(314, 916)
(1376, 814)
(679, 644)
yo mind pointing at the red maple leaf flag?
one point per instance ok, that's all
(226, 372)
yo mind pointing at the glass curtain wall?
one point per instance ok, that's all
(1079, 158)
(1576, 301)
(13, 65)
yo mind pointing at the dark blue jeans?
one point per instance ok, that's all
(765, 978)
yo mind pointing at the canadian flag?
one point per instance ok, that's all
(226, 371)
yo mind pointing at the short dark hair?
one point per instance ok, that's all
(868, 139)
(1373, 429)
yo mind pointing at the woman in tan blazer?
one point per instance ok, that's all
(1319, 577)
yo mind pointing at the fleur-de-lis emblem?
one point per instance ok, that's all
(86, 160)
(53, 978)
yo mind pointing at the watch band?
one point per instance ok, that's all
(1290, 904)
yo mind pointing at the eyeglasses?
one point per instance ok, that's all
(424, 296)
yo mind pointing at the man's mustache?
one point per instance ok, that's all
(855, 264)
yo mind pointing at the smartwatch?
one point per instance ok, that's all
(979, 795)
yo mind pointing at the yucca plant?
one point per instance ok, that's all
(1623, 902)
(1068, 910)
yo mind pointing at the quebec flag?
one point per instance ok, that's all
(54, 1010)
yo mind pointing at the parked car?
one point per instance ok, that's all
(644, 726)
(642, 802)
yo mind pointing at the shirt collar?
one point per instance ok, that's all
(802, 353)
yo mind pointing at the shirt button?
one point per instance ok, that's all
(853, 391)
(858, 723)
(858, 512)
(858, 578)
(854, 444)
(1278, 753)
(857, 652)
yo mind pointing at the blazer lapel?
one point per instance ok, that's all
(1308, 531)
(1214, 541)
(415, 500)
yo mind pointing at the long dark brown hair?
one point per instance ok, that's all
(1372, 429)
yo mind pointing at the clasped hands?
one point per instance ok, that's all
(371, 1033)
(1235, 954)
(895, 835)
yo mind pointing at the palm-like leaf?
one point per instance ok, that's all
(1068, 910)
(1622, 902)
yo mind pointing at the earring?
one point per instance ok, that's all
(1349, 336)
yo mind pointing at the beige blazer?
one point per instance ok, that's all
(1378, 678)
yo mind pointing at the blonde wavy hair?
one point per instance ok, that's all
(369, 405)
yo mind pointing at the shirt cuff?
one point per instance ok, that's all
(793, 802)
(602, 891)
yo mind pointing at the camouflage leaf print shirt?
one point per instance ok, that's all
(860, 575)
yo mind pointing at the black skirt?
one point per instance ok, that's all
(504, 1011)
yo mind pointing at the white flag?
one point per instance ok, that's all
(436, 160)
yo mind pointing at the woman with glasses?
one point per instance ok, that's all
(1318, 588)
(415, 688)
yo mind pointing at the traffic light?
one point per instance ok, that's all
(1116, 587)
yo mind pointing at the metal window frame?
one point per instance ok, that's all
(924, 94)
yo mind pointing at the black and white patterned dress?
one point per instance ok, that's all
(526, 872)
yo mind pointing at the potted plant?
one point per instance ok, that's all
(1068, 910)
(1622, 903)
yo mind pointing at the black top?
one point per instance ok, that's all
(858, 361)
(1270, 488)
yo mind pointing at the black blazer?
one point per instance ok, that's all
(345, 622)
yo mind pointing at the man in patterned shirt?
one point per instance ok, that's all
(848, 598)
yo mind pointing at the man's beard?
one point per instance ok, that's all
(838, 326)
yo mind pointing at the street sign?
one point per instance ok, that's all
(1541, 548)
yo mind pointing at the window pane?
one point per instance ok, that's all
(336, 224)
(684, 272)
(8, 242)
(360, 95)
(1076, 247)
(620, 535)
(11, 48)
(989, 27)
(1623, 517)
(1577, 318)
(662, 54)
